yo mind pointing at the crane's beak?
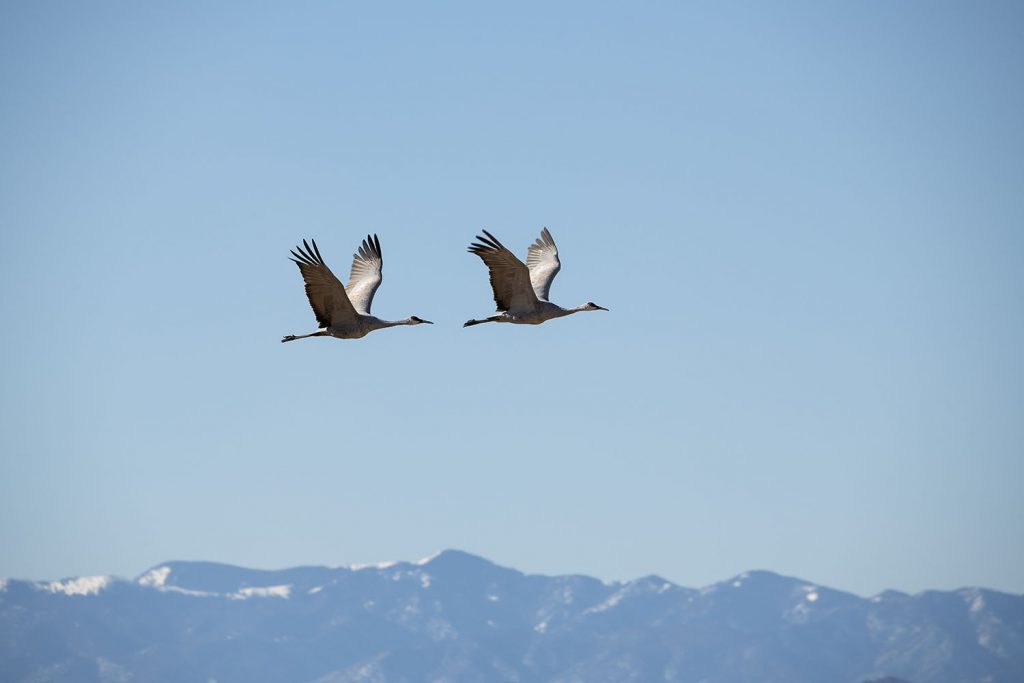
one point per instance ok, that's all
(600, 307)
(426, 321)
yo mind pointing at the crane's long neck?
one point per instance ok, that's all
(378, 324)
(551, 311)
(559, 312)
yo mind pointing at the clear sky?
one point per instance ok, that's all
(806, 218)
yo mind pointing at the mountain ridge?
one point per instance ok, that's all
(456, 616)
(454, 552)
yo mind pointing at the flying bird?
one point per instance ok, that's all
(521, 290)
(344, 312)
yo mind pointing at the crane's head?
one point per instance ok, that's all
(413, 320)
(591, 306)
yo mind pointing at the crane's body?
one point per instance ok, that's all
(520, 289)
(344, 312)
(541, 312)
(357, 329)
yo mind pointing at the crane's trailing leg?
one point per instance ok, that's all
(293, 337)
(492, 319)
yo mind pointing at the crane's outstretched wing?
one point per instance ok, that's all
(326, 296)
(510, 278)
(365, 277)
(542, 260)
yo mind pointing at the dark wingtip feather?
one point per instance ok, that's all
(369, 249)
(488, 243)
(494, 240)
(300, 257)
(318, 256)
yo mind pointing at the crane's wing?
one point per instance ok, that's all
(326, 296)
(510, 278)
(542, 260)
(365, 277)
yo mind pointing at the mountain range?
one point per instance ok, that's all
(458, 617)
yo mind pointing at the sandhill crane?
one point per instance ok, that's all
(344, 312)
(521, 291)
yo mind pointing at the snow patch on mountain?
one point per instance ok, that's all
(83, 585)
(284, 591)
(429, 558)
(611, 602)
(358, 566)
(189, 591)
(155, 578)
(977, 602)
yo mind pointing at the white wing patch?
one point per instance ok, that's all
(542, 260)
(365, 277)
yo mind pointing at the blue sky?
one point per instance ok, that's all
(805, 218)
